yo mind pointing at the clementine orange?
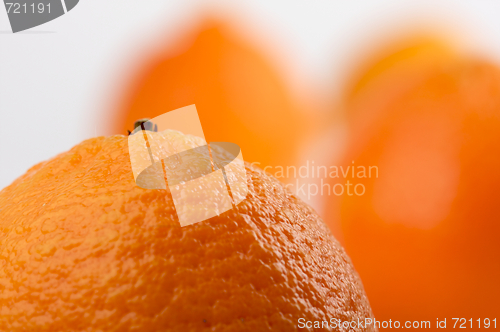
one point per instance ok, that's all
(83, 248)
(424, 237)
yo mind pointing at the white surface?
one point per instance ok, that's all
(54, 87)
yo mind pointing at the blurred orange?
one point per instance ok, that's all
(239, 96)
(425, 235)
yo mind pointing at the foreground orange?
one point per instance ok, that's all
(239, 95)
(425, 236)
(85, 249)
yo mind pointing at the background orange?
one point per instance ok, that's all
(424, 237)
(240, 98)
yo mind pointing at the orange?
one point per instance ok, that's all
(398, 68)
(425, 235)
(83, 248)
(240, 97)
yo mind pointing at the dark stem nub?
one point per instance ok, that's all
(145, 125)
